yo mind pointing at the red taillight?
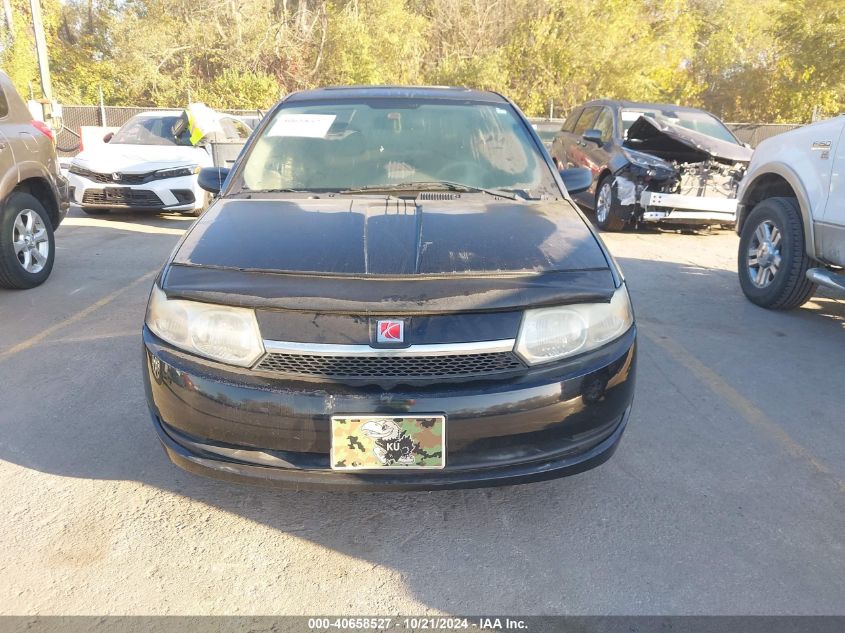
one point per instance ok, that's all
(44, 129)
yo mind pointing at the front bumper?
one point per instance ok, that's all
(230, 423)
(679, 209)
(158, 195)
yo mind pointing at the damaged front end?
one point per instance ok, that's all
(670, 174)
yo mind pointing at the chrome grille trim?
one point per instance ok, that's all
(437, 349)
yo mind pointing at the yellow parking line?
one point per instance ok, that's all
(747, 409)
(38, 338)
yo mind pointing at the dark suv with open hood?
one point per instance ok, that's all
(653, 163)
(393, 290)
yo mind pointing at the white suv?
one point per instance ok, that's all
(791, 216)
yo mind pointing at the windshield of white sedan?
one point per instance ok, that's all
(396, 145)
(690, 119)
(153, 130)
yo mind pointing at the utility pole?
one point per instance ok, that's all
(41, 51)
(7, 8)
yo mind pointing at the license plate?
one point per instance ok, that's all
(117, 193)
(377, 442)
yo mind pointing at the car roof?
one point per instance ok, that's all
(639, 104)
(445, 93)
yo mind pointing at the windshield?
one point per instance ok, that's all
(388, 143)
(154, 130)
(696, 120)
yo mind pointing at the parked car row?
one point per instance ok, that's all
(393, 288)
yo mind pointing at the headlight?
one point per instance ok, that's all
(177, 172)
(221, 333)
(79, 171)
(646, 161)
(549, 334)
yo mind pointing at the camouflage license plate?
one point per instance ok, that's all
(372, 442)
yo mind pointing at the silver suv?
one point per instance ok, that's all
(33, 193)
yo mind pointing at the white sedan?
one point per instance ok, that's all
(149, 164)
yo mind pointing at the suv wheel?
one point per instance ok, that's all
(607, 217)
(27, 247)
(772, 260)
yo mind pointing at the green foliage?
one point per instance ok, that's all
(768, 60)
(240, 90)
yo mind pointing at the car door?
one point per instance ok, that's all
(577, 153)
(564, 139)
(597, 155)
(830, 230)
(8, 167)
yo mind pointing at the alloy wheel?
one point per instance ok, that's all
(764, 257)
(603, 201)
(30, 241)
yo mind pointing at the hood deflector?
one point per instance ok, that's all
(387, 296)
(673, 142)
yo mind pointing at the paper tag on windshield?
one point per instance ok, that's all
(302, 125)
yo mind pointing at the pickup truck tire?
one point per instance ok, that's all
(772, 260)
(607, 215)
(27, 246)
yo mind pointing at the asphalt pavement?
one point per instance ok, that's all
(726, 496)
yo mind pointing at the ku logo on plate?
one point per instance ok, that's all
(390, 332)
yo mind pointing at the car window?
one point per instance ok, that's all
(382, 142)
(242, 131)
(229, 130)
(604, 123)
(696, 120)
(569, 124)
(153, 130)
(585, 121)
(4, 104)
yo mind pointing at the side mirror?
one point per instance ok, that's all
(212, 178)
(576, 179)
(108, 137)
(593, 136)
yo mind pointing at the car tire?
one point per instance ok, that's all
(198, 212)
(772, 260)
(27, 246)
(608, 217)
(93, 211)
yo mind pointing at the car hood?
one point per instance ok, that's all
(370, 253)
(673, 142)
(127, 158)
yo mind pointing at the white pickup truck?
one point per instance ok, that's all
(791, 216)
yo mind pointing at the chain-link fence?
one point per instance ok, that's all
(75, 117)
(755, 133)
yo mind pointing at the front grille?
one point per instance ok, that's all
(126, 179)
(391, 367)
(122, 197)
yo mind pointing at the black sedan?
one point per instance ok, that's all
(392, 290)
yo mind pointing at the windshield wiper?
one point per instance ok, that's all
(436, 185)
(281, 190)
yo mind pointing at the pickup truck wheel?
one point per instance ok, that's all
(772, 260)
(27, 247)
(607, 217)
